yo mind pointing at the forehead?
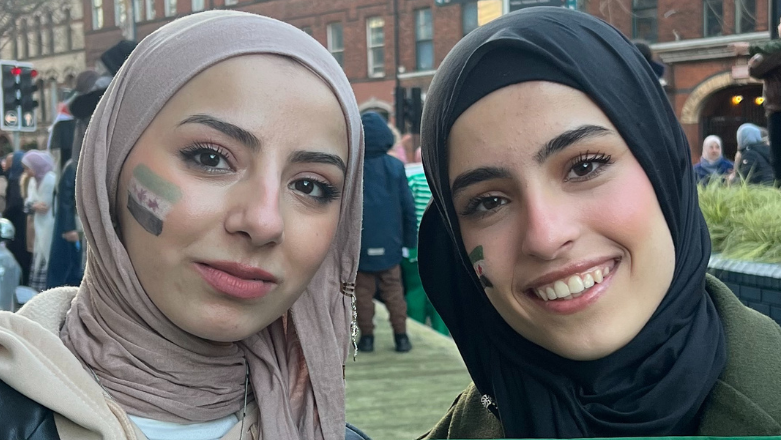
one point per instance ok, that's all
(520, 119)
(273, 96)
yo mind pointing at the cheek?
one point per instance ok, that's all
(308, 237)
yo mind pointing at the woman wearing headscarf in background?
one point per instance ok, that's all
(566, 252)
(220, 206)
(14, 211)
(66, 263)
(39, 199)
(712, 162)
(753, 157)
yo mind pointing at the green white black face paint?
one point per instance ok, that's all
(150, 199)
(478, 262)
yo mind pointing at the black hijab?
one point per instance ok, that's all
(655, 385)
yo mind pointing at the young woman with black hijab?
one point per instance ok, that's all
(566, 251)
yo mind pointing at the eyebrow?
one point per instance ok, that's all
(477, 175)
(234, 131)
(318, 157)
(568, 138)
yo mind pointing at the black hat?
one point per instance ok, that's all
(116, 55)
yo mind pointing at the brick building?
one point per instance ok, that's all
(707, 84)
(53, 41)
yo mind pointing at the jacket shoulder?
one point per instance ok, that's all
(467, 418)
(24, 418)
(745, 398)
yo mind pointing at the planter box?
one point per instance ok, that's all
(758, 285)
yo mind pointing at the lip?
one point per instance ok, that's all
(575, 305)
(236, 280)
(570, 270)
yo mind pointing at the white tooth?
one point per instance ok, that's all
(541, 294)
(575, 284)
(561, 289)
(550, 292)
(588, 281)
(606, 271)
(597, 276)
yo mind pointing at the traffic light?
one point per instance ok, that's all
(10, 86)
(27, 88)
(409, 110)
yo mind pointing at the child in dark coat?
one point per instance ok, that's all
(389, 228)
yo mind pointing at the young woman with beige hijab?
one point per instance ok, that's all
(219, 186)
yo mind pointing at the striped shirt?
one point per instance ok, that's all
(421, 193)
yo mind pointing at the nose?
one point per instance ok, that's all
(255, 212)
(550, 225)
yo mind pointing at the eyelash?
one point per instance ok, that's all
(189, 154)
(588, 157)
(330, 192)
(471, 209)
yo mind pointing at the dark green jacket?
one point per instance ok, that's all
(746, 400)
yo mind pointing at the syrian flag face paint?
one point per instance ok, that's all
(150, 199)
(478, 262)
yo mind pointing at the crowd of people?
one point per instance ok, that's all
(752, 163)
(239, 227)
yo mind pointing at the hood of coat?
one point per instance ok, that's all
(377, 135)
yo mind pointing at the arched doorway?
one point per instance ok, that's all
(725, 110)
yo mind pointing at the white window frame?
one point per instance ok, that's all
(331, 48)
(201, 5)
(739, 11)
(120, 13)
(372, 64)
(170, 8)
(97, 14)
(231, 2)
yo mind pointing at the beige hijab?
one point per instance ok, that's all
(150, 366)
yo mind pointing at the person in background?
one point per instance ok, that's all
(419, 307)
(39, 165)
(11, 273)
(389, 228)
(60, 139)
(14, 211)
(66, 263)
(754, 161)
(712, 162)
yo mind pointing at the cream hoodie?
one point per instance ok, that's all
(36, 363)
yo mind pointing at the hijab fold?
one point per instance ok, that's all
(656, 384)
(150, 366)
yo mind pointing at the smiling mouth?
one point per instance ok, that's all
(575, 285)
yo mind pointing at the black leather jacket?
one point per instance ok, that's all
(24, 419)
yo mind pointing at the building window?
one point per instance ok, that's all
(198, 5)
(745, 16)
(137, 10)
(424, 36)
(68, 29)
(50, 31)
(120, 13)
(231, 2)
(375, 35)
(713, 11)
(469, 20)
(150, 9)
(97, 14)
(38, 36)
(307, 29)
(170, 8)
(336, 42)
(644, 22)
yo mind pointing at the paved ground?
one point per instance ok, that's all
(400, 396)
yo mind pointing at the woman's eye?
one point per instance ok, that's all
(211, 160)
(308, 187)
(587, 167)
(583, 169)
(321, 192)
(206, 158)
(483, 205)
(490, 203)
